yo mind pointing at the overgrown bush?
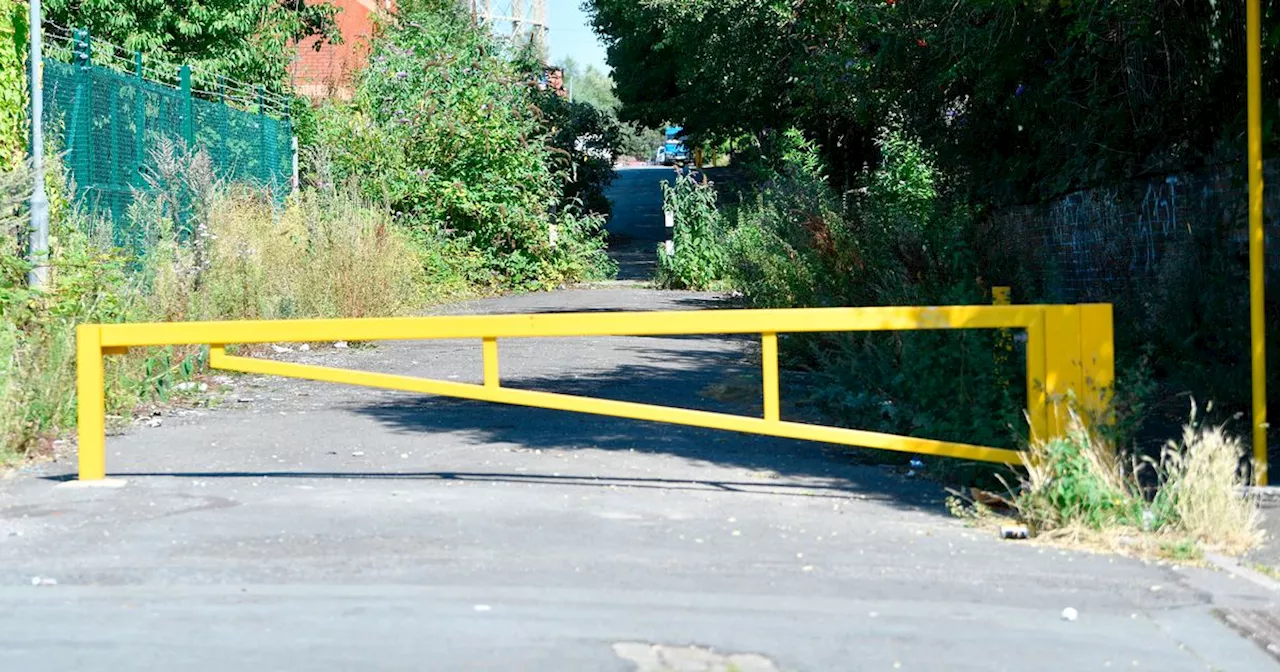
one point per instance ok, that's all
(699, 259)
(585, 142)
(13, 84)
(897, 240)
(444, 130)
(1080, 485)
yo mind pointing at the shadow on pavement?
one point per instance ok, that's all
(714, 381)
(808, 489)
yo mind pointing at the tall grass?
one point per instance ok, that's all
(324, 255)
(1079, 486)
(1203, 486)
(237, 255)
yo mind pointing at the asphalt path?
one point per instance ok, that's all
(302, 525)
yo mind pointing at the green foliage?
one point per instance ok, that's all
(325, 253)
(796, 243)
(251, 40)
(701, 260)
(1021, 100)
(596, 89)
(1193, 494)
(13, 85)
(584, 141)
(639, 142)
(1083, 485)
(444, 130)
(589, 85)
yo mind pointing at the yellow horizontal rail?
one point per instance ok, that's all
(1068, 348)
(790, 320)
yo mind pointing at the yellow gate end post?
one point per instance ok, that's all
(1257, 240)
(91, 406)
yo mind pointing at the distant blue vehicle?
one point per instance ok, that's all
(673, 151)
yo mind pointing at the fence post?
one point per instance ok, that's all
(38, 237)
(117, 184)
(287, 125)
(1002, 296)
(80, 141)
(139, 123)
(264, 155)
(188, 125)
(769, 375)
(224, 126)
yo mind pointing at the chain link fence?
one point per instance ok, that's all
(109, 112)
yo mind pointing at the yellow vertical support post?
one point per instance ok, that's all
(1098, 359)
(217, 355)
(1037, 408)
(1257, 268)
(769, 364)
(91, 406)
(1063, 372)
(491, 362)
(1002, 296)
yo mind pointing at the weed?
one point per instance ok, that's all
(1201, 486)
(1078, 486)
(700, 259)
(1182, 550)
(1267, 570)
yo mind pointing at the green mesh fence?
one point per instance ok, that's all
(109, 124)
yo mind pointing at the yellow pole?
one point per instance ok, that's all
(90, 403)
(769, 364)
(491, 363)
(1256, 238)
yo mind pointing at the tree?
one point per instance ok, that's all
(589, 85)
(251, 40)
(1018, 99)
(13, 87)
(445, 130)
(596, 88)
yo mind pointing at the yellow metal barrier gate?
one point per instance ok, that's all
(1069, 348)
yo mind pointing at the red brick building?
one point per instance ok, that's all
(329, 72)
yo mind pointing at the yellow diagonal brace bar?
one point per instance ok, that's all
(620, 409)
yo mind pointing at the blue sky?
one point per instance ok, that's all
(571, 34)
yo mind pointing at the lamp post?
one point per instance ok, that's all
(38, 241)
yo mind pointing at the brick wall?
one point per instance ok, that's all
(330, 71)
(1088, 245)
